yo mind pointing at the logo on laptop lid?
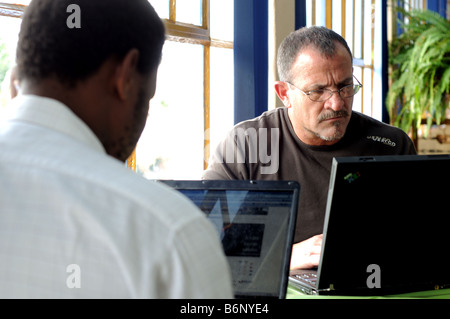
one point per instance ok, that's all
(350, 178)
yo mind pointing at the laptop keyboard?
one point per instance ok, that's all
(308, 277)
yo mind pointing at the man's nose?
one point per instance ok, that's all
(336, 102)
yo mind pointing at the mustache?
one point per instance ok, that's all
(333, 114)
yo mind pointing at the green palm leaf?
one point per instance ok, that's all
(420, 59)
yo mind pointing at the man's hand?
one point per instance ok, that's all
(306, 254)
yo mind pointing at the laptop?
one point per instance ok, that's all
(386, 228)
(255, 221)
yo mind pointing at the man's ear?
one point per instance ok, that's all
(125, 74)
(282, 89)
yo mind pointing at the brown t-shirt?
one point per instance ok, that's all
(267, 148)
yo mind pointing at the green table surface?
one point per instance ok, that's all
(293, 293)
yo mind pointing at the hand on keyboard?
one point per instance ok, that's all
(306, 254)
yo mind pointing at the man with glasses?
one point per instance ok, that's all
(317, 123)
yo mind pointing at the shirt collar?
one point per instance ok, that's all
(54, 115)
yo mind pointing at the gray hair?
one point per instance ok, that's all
(321, 38)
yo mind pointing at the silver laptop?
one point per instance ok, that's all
(386, 227)
(255, 221)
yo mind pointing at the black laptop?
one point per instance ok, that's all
(255, 221)
(386, 227)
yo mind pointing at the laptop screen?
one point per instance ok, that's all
(255, 223)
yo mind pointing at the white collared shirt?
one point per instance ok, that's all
(76, 223)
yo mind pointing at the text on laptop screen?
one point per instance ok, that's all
(241, 218)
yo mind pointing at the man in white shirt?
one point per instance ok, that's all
(74, 221)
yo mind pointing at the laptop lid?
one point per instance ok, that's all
(255, 221)
(386, 225)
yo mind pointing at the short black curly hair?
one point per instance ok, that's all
(109, 28)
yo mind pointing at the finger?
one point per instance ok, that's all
(314, 260)
(318, 239)
(316, 250)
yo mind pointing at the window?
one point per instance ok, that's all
(9, 31)
(359, 22)
(193, 105)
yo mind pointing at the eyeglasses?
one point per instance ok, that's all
(325, 94)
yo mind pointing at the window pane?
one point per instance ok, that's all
(22, 2)
(367, 38)
(309, 15)
(367, 89)
(189, 11)
(336, 20)
(321, 12)
(171, 146)
(357, 100)
(349, 25)
(222, 19)
(9, 32)
(222, 95)
(357, 53)
(161, 7)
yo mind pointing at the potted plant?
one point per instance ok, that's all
(420, 62)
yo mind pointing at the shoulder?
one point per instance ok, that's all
(369, 124)
(379, 132)
(267, 122)
(93, 180)
(271, 118)
(161, 227)
(146, 199)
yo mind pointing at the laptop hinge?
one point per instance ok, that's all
(331, 288)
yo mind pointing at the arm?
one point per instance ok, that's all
(221, 167)
(306, 254)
